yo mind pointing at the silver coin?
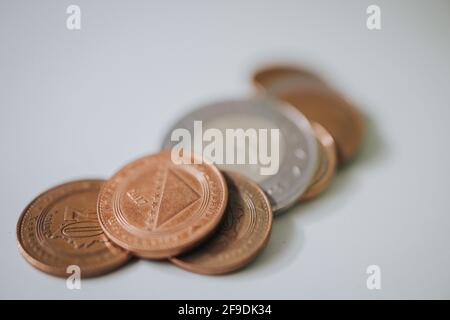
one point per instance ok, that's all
(295, 151)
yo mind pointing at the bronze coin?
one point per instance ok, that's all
(242, 234)
(327, 165)
(276, 79)
(156, 208)
(60, 228)
(334, 113)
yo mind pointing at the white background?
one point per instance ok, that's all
(76, 104)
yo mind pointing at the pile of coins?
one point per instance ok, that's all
(205, 217)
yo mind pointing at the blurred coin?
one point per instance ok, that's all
(293, 156)
(242, 234)
(277, 79)
(327, 166)
(334, 113)
(156, 208)
(60, 228)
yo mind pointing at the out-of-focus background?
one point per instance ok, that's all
(77, 104)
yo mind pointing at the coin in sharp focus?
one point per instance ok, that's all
(294, 155)
(277, 79)
(334, 113)
(155, 208)
(60, 228)
(243, 232)
(327, 166)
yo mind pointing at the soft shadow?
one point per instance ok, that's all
(373, 148)
(347, 180)
(125, 268)
(285, 243)
(112, 273)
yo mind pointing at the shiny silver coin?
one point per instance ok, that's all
(262, 138)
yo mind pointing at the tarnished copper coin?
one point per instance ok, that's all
(276, 79)
(327, 165)
(60, 228)
(242, 234)
(334, 113)
(156, 208)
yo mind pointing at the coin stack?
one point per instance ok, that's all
(205, 217)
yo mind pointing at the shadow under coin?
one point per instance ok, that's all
(285, 243)
(372, 149)
(346, 182)
(114, 272)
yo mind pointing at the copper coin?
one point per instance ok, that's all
(60, 228)
(334, 113)
(156, 208)
(242, 234)
(276, 79)
(327, 165)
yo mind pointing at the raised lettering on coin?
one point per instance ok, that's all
(183, 204)
(60, 228)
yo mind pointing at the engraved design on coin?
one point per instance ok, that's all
(242, 234)
(60, 228)
(79, 228)
(155, 208)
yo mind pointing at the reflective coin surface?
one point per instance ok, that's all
(279, 151)
(60, 228)
(277, 79)
(243, 233)
(156, 208)
(334, 113)
(327, 166)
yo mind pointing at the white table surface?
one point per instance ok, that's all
(77, 104)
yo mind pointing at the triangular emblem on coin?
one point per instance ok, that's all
(177, 195)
